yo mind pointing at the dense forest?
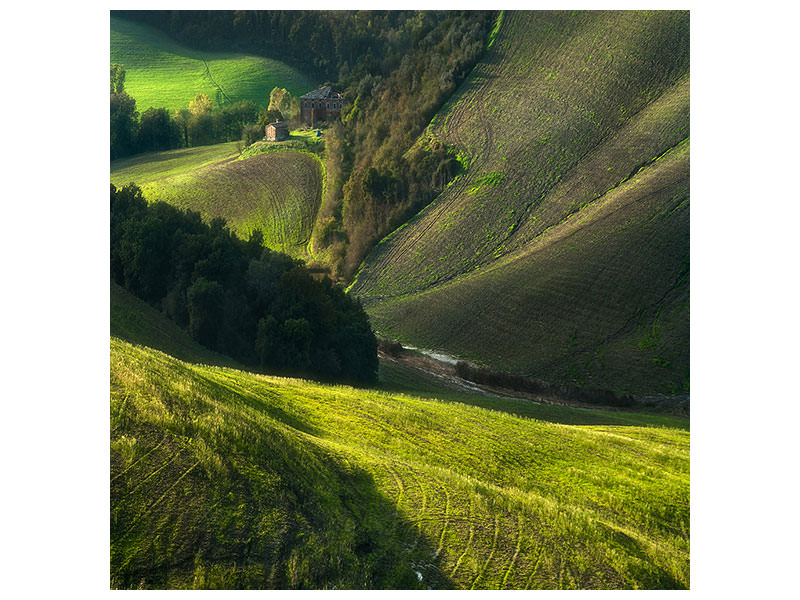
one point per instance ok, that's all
(237, 297)
(395, 68)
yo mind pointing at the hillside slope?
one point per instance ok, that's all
(134, 321)
(278, 192)
(163, 74)
(221, 478)
(563, 251)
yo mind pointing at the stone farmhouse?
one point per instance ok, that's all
(322, 104)
(277, 131)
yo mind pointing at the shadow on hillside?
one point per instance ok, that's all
(277, 512)
(135, 321)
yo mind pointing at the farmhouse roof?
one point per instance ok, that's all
(278, 124)
(321, 93)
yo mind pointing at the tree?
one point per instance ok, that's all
(268, 341)
(182, 118)
(117, 78)
(202, 129)
(124, 125)
(204, 301)
(235, 296)
(235, 117)
(267, 117)
(201, 105)
(280, 99)
(297, 337)
(157, 131)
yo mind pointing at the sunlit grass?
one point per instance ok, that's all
(163, 74)
(472, 496)
(277, 192)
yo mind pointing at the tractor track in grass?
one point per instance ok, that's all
(579, 115)
(456, 511)
(153, 473)
(491, 553)
(140, 459)
(468, 545)
(153, 504)
(516, 553)
(278, 192)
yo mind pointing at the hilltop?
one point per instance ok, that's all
(571, 221)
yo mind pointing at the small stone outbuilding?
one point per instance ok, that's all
(277, 131)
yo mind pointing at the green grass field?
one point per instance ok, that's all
(278, 191)
(222, 478)
(150, 167)
(571, 221)
(163, 74)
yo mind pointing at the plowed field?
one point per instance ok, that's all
(563, 250)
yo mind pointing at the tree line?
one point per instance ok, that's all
(395, 68)
(198, 124)
(235, 296)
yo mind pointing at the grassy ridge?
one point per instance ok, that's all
(224, 478)
(278, 192)
(574, 128)
(163, 74)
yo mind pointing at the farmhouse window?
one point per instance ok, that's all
(327, 105)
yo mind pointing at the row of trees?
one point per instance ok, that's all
(197, 125)
(234, 296)
(396, 68)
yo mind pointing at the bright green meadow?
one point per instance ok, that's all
(221, 478)
(163, 74)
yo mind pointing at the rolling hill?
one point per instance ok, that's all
(163, 74)
(278, 191)
(563, 250)
(560, 252)
(222, 478)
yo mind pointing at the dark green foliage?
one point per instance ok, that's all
(268, 116)
(252, 133)
(528, 384)
(124, 125)
(204, 129)
(236, 297)
(205, 310)
(235, 117)
(158, 131)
